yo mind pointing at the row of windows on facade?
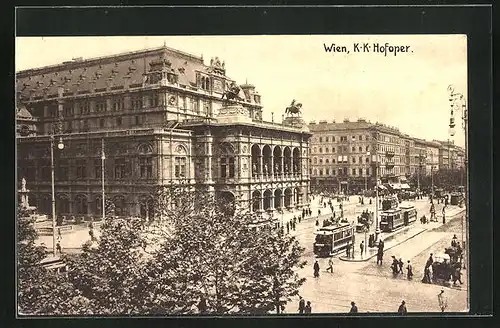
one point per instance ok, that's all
(343, 171)
(340, 139)
(70, 126)
(339, 149)
(118, 104)
(80, 205)
(121, 169)
(340, 171)
(344, 159)
(382, 138)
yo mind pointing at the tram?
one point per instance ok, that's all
(409, 214)
(390, 202)
(332, 239)
(391, 220)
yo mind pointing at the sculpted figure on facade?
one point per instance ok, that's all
(294, 108)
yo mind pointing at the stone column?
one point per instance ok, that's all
(283, 200)
(261, 207)
(282, 166)
(271, 169)
(208, 150)
(261, 164)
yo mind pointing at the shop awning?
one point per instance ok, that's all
(381, 187)
(395, 186)
(405, 186)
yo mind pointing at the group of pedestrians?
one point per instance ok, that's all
(397, 268)
(304, 308)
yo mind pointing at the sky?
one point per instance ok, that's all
(407, 90)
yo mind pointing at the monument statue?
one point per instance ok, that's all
(294, 108)
(23, 184)
(232, 92)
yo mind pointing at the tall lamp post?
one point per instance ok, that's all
(458, 102)
(103, 158)
(377, 228)
(60, 146)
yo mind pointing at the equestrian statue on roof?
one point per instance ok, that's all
(232, 92)
(294, 108)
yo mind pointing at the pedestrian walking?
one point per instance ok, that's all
(402, 308)
(380, 255)
(348, 250)
(354, 308)
(58, 247)
(300, 217)
(308, 308)
(400, 265)
(395, 266)
(59, 233)
(429, 262)
(330, 265)
(302, 305)
(287, 228)
(444, 215)
(202, 305)
(457, 275)
(316, 269)
(443, 300)
(409, 269)
(319, 212)
(91, 234)
(362, 247)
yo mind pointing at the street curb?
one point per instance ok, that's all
(372, 256)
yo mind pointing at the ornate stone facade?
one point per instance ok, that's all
(161, 118)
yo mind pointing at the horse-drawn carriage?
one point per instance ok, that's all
(447, 266)
(365, 220)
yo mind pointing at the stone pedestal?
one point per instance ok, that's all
(233, 114)
(296, 122)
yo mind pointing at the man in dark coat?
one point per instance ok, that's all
(202, 305)
(316, 269)
(402, 308)
(302, 305)
(395, 265)
(354, 308)
(429, 262)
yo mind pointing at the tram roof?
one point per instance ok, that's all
(391, 211)
(334, 227)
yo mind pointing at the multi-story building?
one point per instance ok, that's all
(160, 115)
(346, 155)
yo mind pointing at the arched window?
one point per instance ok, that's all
(227, 169)
(321, 161)
(320, 150)
(315, 160)
(326, 150)
(327, 160)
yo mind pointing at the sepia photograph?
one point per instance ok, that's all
(259, 175)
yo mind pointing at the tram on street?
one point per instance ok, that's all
(391, 220)
(332, 239)
(390, 202)
(409, 214)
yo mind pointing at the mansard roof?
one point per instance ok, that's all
(78, 74)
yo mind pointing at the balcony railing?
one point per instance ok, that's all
(389, 153)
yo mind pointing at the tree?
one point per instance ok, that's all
(211, 252)
(108, 271)
(273, 280)
(41, 291)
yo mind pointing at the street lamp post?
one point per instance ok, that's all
(461, 105)
(60, 146)
(103, 158)
(377, 228)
